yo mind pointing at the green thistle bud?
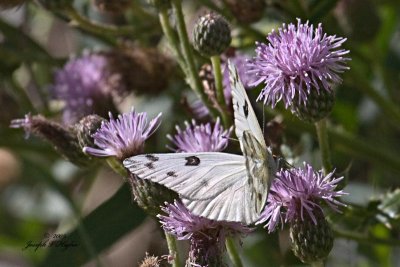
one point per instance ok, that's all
(211, 35)
(86, 127)
(150, 196)
(160, 4)
(56, 5)
(112, 6)
(311, 242)
(5, 4)
(318, 105)
(247, 11)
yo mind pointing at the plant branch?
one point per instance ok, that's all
(173, 251)
(188, 55)
(324, 145)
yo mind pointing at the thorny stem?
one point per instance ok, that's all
(188, 55)
(173, 251)
(216, 63)
(232, 252)
(324, 145)
(172, 38)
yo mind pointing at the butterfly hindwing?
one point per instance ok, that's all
(233, 204)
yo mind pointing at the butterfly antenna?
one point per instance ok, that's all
(230, 138)
(263, 125)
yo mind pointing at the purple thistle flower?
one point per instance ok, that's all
(296, 61)
(123, 137)
(200, 138)
(81, 85)
(296, 193)
(207, 237)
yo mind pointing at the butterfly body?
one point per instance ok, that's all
(215, 185)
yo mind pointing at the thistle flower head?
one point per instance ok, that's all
(200, 138)
(297, 193)
(80, 84)
(297, 59)
(207, 237)
(123, 137)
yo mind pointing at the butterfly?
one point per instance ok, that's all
(218, 186)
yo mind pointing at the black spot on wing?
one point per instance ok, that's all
(172, 173)
(149, 165)
(152, 158)
(246, 109)
(204, 183)
(192, 161)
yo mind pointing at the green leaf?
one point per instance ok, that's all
(104, 226)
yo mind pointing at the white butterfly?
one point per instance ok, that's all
(218, 186)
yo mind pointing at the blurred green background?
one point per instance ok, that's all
(41, 193)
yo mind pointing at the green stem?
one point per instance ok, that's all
(216, 63)
(173, 251)
(232, 252)
(324, 145)
(366, 239)
(188, 55)
(117, 166)
(172, 38)
(96, 27)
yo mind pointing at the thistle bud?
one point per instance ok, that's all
(150, 196)
(150, 261)
(211, 35)
(311, 242)
(318, 105)
(112, 6)
(247, 11)
(86, 127)
(63, 139)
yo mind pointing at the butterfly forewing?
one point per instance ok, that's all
(192, 175)
(259, 161)
(245, 117)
